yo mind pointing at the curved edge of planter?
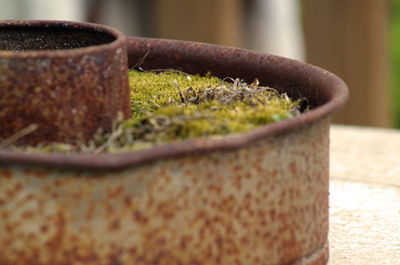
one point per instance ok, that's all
(119, 37)
(326, 92)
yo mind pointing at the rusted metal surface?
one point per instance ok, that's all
(259, 197)
(266, 203)
(68, 78)
(326, 93)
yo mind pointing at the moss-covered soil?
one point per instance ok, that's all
(171, 105)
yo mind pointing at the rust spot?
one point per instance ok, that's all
(46, 189)
(290, 248)
(109, 209)
(10, 193)
(18, 186)
(5, 215)
(56, 241)
(185, 240)
(260, 152)
(257, 232)
(117, 191)
(246, 225)
(150, 202)
(6, 173)
(27, 214)
(58, 183)
(188, 172)
(202, 233)
(44, 228)
(258, 168)
(261, 214)
(237, 262)
(215, 188)
(114, 259)
(9, 228)
(266, 235)
(272, 213)
(127, 201)
(40, 173)
(259, 185)
(114, 225)
(195, 262)
(293, 168)
(237, 168)
(27, 171)
(161, 241)
(238, 184)
(251, 213)
(168, 214)
(219, 242)
(132, 250)
(200, 214)
(139, 217)
(244, 240)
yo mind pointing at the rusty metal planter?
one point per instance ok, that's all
(259, 197)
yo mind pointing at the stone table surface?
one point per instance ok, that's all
(364, 196)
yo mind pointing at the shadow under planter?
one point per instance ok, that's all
(259, 197)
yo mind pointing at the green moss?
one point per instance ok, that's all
(171, 106)
(149, 89)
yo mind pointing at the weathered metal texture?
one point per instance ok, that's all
(68, 78)
(266, 203)
(326, 93)
(259, 197)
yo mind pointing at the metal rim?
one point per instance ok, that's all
(119, 40)
(331, 88)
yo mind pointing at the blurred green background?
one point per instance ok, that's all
(394, 44)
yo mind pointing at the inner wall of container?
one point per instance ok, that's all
(39, 38)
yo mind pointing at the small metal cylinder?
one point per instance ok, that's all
(67, 78)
